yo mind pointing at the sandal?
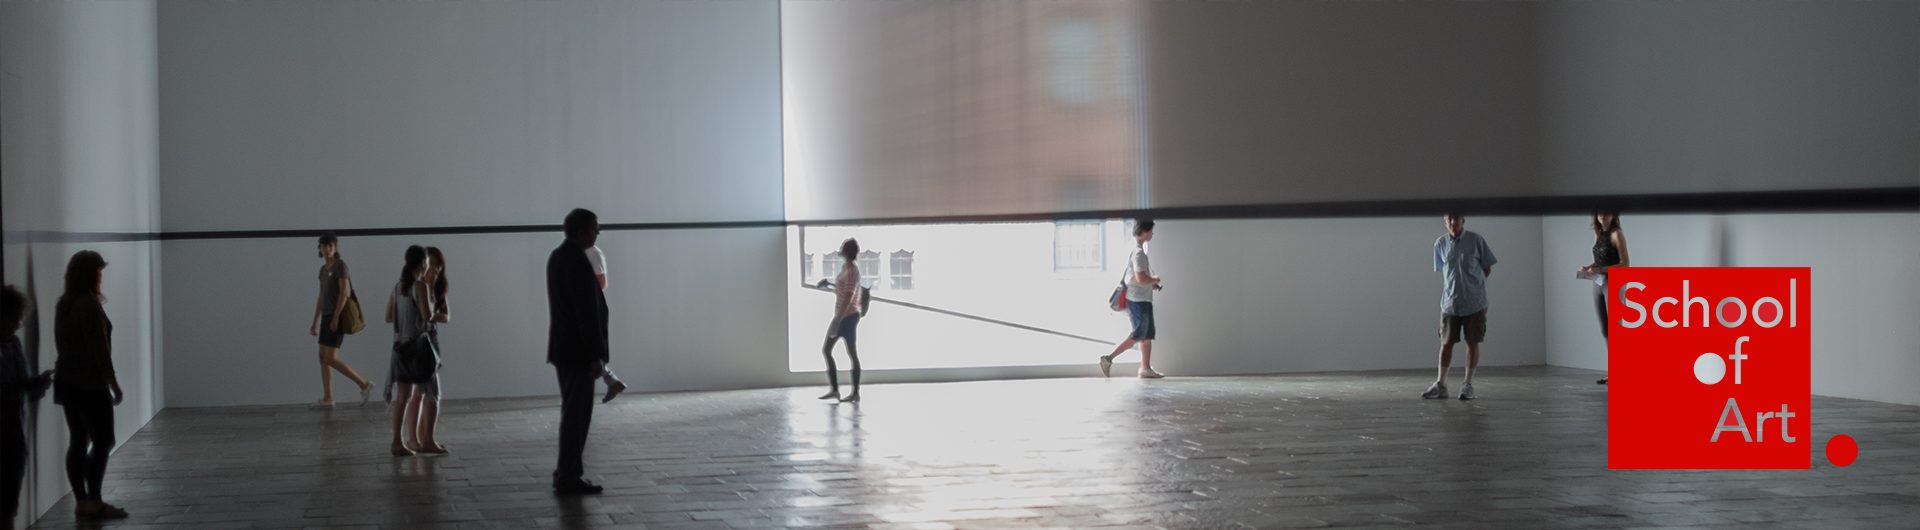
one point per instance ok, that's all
(434, 448)
(401, 450)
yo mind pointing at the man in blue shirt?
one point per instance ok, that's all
(1464, 261)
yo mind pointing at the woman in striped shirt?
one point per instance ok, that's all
(846, 321)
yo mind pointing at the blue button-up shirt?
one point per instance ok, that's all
(1463, 262)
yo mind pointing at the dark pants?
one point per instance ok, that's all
(13, 468)
(90, 422)
(576, 415)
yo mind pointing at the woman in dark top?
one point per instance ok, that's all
(18, 385)
(436, 280)
(1609, 250)
(410, 309)
(335, 287)
(86, 385)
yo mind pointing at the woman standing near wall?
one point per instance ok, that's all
(1609, 250)
(846, 321)
(410, 309)
(85, 385)
(335, 287)
(436, 280)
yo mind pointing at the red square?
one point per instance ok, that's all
(1746, 339)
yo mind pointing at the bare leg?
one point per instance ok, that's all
(1446, 360)
(429, 418)
(411, 425)
(403, 396)
(833, 372)
(1473, 359)
(1124, 346)
(853, 353)
(326, 374)
(1146, 354)
(330, 358)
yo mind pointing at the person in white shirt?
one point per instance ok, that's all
(1141, 283)
(599, 261)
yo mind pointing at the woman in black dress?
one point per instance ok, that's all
(1609, 250)
(84, 384)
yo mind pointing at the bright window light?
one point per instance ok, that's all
(963, 295)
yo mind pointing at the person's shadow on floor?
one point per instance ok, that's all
(573, 512)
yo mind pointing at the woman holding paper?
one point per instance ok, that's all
(1609, 250)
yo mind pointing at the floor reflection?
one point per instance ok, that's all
(1310, 450)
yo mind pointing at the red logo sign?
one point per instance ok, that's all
(1709, 368)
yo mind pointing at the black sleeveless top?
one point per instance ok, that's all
(1604, 254)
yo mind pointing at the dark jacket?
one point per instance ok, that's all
(82, 337)
(576, 309)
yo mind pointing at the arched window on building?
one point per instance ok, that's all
(869, 268)
(830, 265)
(901, 272)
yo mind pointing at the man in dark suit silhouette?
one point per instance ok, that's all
(576, 344)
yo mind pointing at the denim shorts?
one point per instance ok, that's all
(1141, 314)
(849, 326)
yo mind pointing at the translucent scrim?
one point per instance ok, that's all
(933, 107)
(964, 295)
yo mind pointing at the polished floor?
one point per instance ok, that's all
(1284, 451)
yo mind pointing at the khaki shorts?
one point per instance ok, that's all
(1474, 326)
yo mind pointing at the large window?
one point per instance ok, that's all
(989, 284)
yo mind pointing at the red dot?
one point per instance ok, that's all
(1841, 450)
(1729, 312)
(1765, 312)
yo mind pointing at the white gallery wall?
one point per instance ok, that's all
(1301, 295)
(1865, 307)
(78, 119)
(356, 114)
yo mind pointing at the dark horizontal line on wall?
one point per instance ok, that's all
(1857, 200)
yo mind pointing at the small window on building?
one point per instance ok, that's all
(1079, 245)
(869, 268)
(806, 268)
(901, 274)
(830, 265)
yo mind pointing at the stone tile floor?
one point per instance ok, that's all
(1280, 451)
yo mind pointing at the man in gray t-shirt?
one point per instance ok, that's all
(1140, 283)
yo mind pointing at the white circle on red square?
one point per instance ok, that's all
(1709, 369)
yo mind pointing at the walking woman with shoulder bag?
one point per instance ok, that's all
(333, 314)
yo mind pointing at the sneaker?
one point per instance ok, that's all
(366, 393)
(1148, 373)
(1106, 366)
(1437, 391)
(614, 389)
(1466, 392)
(322, 404)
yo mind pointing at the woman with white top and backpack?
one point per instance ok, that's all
(1139, 283)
